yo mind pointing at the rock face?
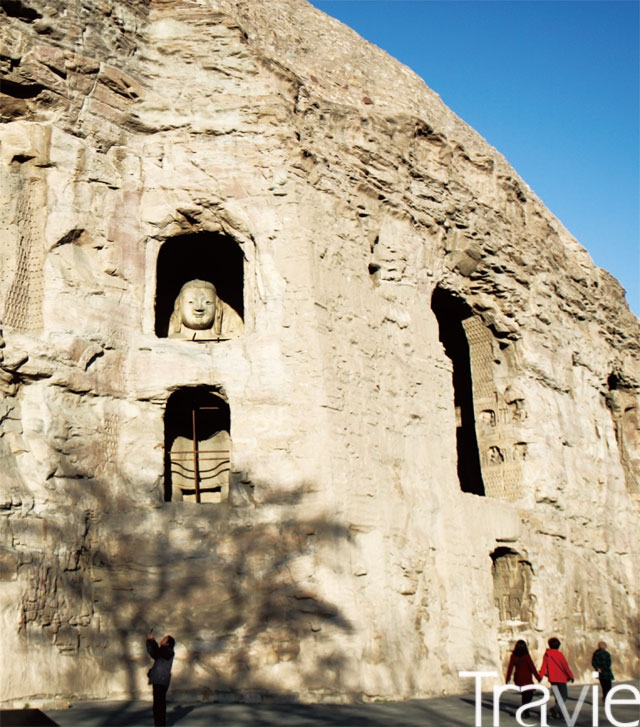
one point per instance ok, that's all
(426, 433)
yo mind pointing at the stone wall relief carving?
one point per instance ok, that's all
(520, 451)
(505, 455)
(513, 597)
(22, 278)
(487, 399)
(515, 403)
(487, 418)
(499, 414)
(494, 455)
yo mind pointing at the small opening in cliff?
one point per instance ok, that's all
(450, 311)
(21, 90)
(16, 9)
(374, 265)
(197, 446)
(205, 256)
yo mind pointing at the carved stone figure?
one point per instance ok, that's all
(213, 468)
(495, 456)
(512, 588)
(200, 315)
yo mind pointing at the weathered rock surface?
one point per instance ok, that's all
(387, 523)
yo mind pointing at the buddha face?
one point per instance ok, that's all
(198, 306)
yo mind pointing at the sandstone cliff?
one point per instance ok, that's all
(432, 407)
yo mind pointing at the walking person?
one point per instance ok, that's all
(556, 668)
(523, 669)
(160, 675)
(601, 662)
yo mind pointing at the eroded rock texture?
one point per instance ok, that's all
(428, 425)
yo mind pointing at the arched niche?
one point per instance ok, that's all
(512, 576)
(207, 256)
(451, 312)
(197, 446)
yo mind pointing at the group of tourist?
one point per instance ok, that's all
(556, 668)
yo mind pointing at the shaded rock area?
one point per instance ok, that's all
(427, 426)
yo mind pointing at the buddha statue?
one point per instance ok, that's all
(200, 315)
(211, 457)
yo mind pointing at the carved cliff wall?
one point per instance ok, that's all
(430, 419)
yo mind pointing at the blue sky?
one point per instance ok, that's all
(554, 85)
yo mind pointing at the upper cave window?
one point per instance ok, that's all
(197, 446)
(199, 288)
(451, 311)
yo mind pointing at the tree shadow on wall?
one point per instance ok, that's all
(234, 585)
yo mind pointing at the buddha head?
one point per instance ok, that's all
(195, 307)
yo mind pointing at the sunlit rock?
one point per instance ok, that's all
(428, 408)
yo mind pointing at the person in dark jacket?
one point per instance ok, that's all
(160, 675)
(523, 669)
(556, 668)
(601, 662)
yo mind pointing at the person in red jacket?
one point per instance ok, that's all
(523, 669)
(556, 669)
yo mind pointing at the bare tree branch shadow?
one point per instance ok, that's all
(235, 586)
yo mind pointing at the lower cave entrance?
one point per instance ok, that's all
(197, 446)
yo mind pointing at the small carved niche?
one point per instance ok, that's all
(520, 451)
(494, 455)
(487, 418)
(374, 264)
(197, 446)
(215, 264)
(512, 576)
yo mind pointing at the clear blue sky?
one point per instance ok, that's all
(554, 85)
